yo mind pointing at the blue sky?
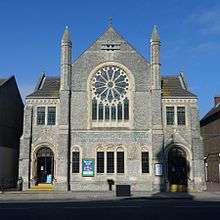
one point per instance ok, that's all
(190, 36)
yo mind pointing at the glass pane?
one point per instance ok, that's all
(170, 115)
(110, 162)
(100, 162)
(75, 162)
(181, 116)
(40, 115)
(119, 111)
(126, 109)
(113, 112)
(94, 109)
(145, 162)
(100, 111)
(120, 162)
(106, 112)
(51, 116)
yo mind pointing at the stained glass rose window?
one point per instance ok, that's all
(110, 87)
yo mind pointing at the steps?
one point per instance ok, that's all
(42, 187)
(178, 188)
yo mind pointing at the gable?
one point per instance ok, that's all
(111, 47)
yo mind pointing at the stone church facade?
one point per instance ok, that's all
(111, 117)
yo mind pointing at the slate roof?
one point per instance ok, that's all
(172, 87)
(2, 81)
(212, 115)
(49, 87)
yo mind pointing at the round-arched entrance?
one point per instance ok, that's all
(45, 165)
(177, 167)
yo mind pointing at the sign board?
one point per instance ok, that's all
(88, 167)
(49, 178)
(158, 169)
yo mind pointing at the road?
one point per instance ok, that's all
(165, 209)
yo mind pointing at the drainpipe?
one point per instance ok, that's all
(69, 143)
(30, 148)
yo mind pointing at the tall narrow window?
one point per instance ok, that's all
(106, 112)
(145, 162)
(100, 162)
(94, 109)
(51, 115)
(170, 115)
(120, 162)
(40, 115)
(75, 162)
(110, 162)
(119, 111)
(100, 111)
(113, 112)
(126, 109)
(181, 115)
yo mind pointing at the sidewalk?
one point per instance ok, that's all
(55, 196)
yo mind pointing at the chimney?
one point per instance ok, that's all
(217, 100)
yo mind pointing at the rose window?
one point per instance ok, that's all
(110, 90)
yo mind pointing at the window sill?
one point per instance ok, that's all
(116, 124)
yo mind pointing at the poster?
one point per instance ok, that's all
(158, 169)
(88, 167)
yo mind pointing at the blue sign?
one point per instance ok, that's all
(88, 167)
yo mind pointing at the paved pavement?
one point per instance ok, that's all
(213, 187)
(53, 196)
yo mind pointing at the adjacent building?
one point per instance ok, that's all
(11, 119)
(111, 118)
(210, 129)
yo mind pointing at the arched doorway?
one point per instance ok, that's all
(177, 167)
(45, 165)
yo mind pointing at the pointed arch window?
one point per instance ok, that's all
(110, 96)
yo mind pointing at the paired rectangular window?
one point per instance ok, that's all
(110, 162)
(100, 162)
(75, 162)
(145, 162)
(181, 116)
(120, 162)
(170, 115)
(51, 115)
(46, 115)
(40, 115)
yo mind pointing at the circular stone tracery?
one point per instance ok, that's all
(110, 84)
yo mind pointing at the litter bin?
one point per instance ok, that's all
(110, 183)
(20, 184)
(123, 190)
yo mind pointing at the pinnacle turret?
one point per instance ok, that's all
(155, 34)
(66, 35)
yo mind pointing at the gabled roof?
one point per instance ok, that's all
(47, 86)
(212, 115)
(174, 86)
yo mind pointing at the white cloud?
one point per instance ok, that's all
(206, 21)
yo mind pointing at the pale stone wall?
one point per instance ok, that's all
(146, 131)
(188, 137)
